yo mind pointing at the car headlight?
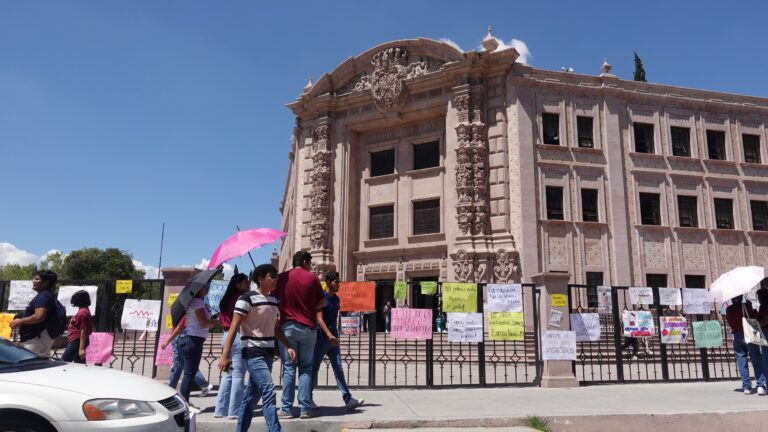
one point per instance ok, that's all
(115, 409)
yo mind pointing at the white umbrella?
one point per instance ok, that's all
(736, 282)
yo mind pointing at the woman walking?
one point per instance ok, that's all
(79, 329)
(232, 385)
(40, 316)
(191, 341)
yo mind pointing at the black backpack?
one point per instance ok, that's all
(57, 324)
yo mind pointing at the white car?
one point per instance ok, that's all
(42, 395)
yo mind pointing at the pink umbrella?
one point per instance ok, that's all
(243, 242)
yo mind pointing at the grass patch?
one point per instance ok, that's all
(538, 423)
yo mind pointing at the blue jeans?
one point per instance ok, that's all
(231, 386)
(260, 385)
(302, 339)
(742, 348)
(191, 350)
(323, 348)
(177, 366)
(72, 352)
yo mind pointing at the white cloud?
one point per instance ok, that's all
(228, 269)
(451, 43)
(10, 254)
(150, 271)
(517, 44)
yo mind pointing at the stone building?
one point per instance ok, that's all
(415, 161)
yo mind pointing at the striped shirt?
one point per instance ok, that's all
(257, 327)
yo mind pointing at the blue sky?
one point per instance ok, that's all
(117, 116)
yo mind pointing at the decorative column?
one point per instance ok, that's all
(320, 202)
(555, 373)
(175, 279)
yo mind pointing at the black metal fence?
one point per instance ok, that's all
(616, 359)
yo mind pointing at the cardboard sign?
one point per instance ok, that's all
(164, 357)
(505, 298)
(670, 297)
(5, 325)
(559, 300)
(350, 325)
(215, 294)
(638, 324)
(20, 294)
(674, 329)
(465, 327)
(411, 324)
(124, 286)
(401, 290)
(696, 301)
(708, 334)
(506, 326)
(428, 288)
(604, 300)
(586, 326)
(99, 348)
(460, 297)
(65, 297)
(357, 296)
(140, 314)
(559, 345)
(641, 295)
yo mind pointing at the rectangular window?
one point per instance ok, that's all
(688, 213)
(681, 141)
(382, 222)
(594, 280)
(643, 137)
(551, 125)
(554, 203)
(716, 144)
(650, 209)
(751, 148)
(426, 217)
(426, 155)
(584, 131)
(759, 215)
(383, 162)
(724, 213)
(656, 280)
(589, 205)
(695, 281)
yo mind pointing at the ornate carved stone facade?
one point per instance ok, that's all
(471, 163)
(320, 200)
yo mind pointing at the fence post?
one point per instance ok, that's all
(536, 352)
(481, 345)
(705, 355)
(618, 327)
(556, 373)
(372, 350)
(662, 347)
(159, 329)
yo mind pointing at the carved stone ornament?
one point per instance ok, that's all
(471, 164)
(463, 265)
(507, 266)
(320, 199)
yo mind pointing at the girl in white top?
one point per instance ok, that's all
(191, 342)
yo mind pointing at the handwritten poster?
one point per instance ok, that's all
(638, 324)
(99, 348)
(586, 326)
(168, 322)
(20, 294)
(350, 325)
(555, 318)
(559, 300)
(357, 296)
(140, 314)
(674, 329)
(559, 345)
(65, 297)
(505, 298)
(124, 286)
(506, 326)
(459, 297)
(411, 324)
(5, 325)
(215, 294)
(428, 288)
(641, 295)
(708, 334)
(604, 300)
(164, 357)
(670, 297)
(465, 327)
(696, 301)
(172, 298)
(401, 290)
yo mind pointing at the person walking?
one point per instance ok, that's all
(762, 318)
(40, 319)
(328, 342)
(231, 386)
(256, 322)
(387, 310)
(177, 363)
(299, 296)
(191, 341)
(733, 314)
(79, 329)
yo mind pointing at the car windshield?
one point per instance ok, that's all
(10, 354)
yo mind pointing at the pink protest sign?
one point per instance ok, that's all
(164, 356)
(99, 348)
(411, 323)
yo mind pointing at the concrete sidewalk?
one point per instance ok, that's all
(630, 407)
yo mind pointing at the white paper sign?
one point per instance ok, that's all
(604, 300)
(140, 314)
(65, 297)
(586, 326)
(555, 318)
(20, 295)
(696, 301)
(505, 298)
(641, 295)
(559, 345)
(670, 297)
(465, 327)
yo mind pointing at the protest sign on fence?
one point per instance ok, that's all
(506, 326)
(555, 318)
(215, 294)
(123, 286)
(604, 300)
(459, 297)
(5, 325)
(696, 301)
(670, 297)
(20, 294)
(638, 324)
(505, 298)
(357, 296)
(641, 295)
(428, 287)
(350, 325)
(401, 290)
(559, 300)
(99, 348)
(674, 329)
(708, 334)
(65, 297)
(164, 357)
(140, 314)
(411, 323)
(465, 327)
(172, 298)
(559, 345)
(586, 326)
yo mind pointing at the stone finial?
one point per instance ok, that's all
(490, 43)
(309, 85)
(605, 69)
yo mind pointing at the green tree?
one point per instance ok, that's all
(639, 70)
(98, 264)
(53, 262)
(17, 272)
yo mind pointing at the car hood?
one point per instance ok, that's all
(93, 381)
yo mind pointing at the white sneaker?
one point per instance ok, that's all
(313, 405)
(353, 403)
(194, 409)
(747, 391)
(761, 391)
(205, 390)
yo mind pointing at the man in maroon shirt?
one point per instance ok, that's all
(733, 314)
(299, 297)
